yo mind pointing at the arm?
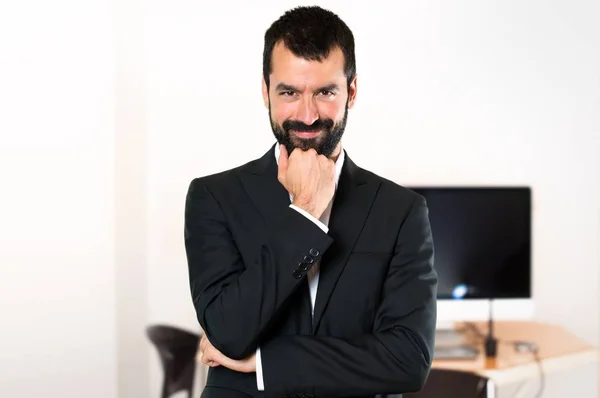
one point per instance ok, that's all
(395, 358)
(235, 301)
(260, 384)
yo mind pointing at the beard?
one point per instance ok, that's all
(324, 144)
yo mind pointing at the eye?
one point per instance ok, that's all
(286, 93)
(327, 93)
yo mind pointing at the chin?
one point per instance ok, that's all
(306, 143)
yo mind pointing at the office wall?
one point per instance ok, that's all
(448, 93)
(57, 267)
(130, 178)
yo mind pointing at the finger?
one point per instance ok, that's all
(330, 163)
(206, 357)
(203, 359)
(213, 357)
(325, 162)
(220, 358)
(283, 162)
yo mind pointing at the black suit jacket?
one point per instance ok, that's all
(375, 313)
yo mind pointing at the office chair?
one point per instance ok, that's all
(177, 352)
(452, 384)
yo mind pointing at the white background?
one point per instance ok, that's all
(108, 110)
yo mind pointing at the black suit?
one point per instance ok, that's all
(375, 312)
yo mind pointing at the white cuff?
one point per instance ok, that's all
(259, 376)
(311, 218)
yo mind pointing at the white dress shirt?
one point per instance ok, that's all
(313, 273)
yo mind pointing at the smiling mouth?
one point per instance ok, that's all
(306, 134)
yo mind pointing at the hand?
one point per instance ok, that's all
(212, 357)
(309, 177)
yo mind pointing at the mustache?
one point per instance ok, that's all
(299, 126)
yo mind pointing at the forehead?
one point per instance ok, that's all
(288, 68)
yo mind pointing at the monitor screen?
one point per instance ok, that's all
(482, 241)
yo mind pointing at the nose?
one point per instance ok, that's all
(307, 111)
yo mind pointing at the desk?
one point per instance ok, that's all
(569, 365)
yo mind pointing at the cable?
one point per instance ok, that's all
(475, 330)
(519, 346)
(542, 377)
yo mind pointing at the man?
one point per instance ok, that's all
(309, 275)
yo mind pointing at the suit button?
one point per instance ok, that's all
(314, 252)
(297, 274)
(308, 259)
(302, 266)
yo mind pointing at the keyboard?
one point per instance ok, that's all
(455, 352)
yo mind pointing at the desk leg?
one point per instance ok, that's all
(491, 389)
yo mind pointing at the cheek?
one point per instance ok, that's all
(282, 112)
(331, 110)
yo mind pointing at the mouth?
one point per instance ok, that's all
(306, 134)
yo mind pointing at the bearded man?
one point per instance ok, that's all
(310, 276)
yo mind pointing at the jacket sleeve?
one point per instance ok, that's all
(396, 358)
(235, 300)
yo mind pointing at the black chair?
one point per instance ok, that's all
(177, 351)
(452, 384)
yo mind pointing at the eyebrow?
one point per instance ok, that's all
(288, 87)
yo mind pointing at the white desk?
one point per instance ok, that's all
(570, 366)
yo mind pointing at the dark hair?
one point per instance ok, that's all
(310, 32)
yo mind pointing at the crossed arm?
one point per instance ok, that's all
(235, 303)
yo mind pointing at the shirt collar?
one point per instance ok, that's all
(338, 163)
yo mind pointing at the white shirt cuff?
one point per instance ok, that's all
(311, 218)
(259, 376)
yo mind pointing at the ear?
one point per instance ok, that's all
(352, 93)
(265, 93)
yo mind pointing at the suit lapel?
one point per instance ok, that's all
(352, 203)
(264, 189)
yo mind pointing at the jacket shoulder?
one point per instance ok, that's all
(222, 180)
(393, 191)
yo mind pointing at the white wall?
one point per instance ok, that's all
(57, 275)
(131, 233)
(448, 93)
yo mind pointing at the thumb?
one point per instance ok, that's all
(283, 162)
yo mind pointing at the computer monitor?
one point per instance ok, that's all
(482, 239)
